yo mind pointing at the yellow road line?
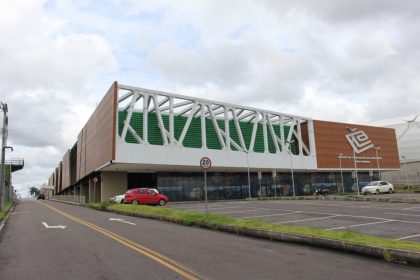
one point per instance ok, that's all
(159, 258)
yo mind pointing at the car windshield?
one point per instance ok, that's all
(374, 183)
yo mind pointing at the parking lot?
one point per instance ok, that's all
(393, 220)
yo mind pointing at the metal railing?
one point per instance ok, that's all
(70, 198)
(15, 161)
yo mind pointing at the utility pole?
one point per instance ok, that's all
(3, 107)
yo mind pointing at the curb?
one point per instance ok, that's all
(3, 222)
(387, 254)
(68, 202)
(339, 198)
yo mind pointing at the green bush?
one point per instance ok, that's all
(6, 209)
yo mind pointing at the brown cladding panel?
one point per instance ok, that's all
(81, 154)
(330, 140)
(66, 170)
(59, 176)
(95, 144)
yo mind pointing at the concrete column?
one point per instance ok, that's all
(84, 191)
(90, 186)
(112, 183)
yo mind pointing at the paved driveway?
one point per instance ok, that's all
(394, 220)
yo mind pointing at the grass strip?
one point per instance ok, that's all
(6, 209)
(212, 220)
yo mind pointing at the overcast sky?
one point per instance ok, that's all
(347, 61)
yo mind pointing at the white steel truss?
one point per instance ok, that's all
(299, 133)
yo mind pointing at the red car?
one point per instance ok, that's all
(145, 196)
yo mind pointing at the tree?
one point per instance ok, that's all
(33, 191)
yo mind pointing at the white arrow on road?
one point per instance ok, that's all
(47, 226)
(122, 221)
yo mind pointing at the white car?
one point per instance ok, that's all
(117, 198)
(378, 187)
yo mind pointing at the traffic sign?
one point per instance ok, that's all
(95, 180)
(205, 163)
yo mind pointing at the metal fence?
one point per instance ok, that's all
(70, 198)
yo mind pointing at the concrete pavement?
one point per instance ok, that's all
(29, 250)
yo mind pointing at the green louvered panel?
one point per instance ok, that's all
(246, 128)
(193, 137)
(233, 133)
(211, 136)
(155, 136)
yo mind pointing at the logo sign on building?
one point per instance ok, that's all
(359, 140)
(205, 163)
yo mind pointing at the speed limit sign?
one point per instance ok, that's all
(205, 163)
(95, 180)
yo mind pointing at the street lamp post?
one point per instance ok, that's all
(406, 172)
(377, 161)
(339, 155)
(291, 167)
(249, 178)
(2, 172)
(355, 171)
(355, 166)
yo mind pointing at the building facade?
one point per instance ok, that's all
(144, 138)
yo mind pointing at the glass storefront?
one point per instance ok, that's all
(220, 185)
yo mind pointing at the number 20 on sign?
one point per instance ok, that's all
(205, 163)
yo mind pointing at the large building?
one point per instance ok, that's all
(407, 131)
(144, 138)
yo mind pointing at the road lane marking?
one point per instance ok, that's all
(47, 226)
(407, 237)
(122, 221)
(403, 214)
(271, 215)
(21, 212)
(359, 225)
(157, 257)
(304, 220)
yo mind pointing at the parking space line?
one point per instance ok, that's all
(359, 225)
(304, 220)
(408, 237)
(203, 207)
(237, 211)
(411, 208)
(402, 214)
(271, 215)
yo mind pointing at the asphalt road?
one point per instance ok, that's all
(91, 246)
(392, 220)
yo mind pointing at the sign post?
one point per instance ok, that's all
(95, 180)
(275, 185)
(205, 163)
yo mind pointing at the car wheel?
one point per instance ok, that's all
(135, 202)
(377, 192)
(122, 201)
(161, 202)
(390, 191)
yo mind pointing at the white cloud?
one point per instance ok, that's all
(348, 61)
